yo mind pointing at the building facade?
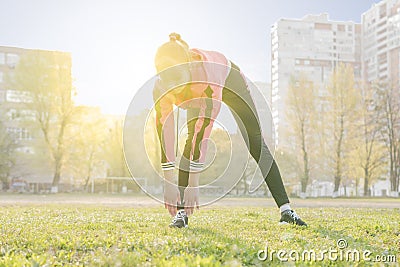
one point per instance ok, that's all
(18, 119)
(314, 45)
(381, 42)
(311, 47)
(13, 101)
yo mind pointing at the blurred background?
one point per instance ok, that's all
(329, 72)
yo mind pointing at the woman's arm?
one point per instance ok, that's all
(166, 136)
(203, 126)
(191, 196)
(165, 128)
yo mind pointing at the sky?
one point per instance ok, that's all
(112, 43)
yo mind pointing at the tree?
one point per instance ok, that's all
(370, 151)
(389, 101)
(46, 78)
(300, 112)
(342, 103)
(114, 154)
(220, 149)
(7, 146)
(87, 143)
(289, 166)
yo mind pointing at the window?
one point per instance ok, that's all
(18, 96)
(12, 60)
(19, 133)
(1, 76)
(21, 114)
(2, 58)
(12, 114)
(26, 149)
(323, 26)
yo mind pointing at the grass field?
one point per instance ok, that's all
(102, 235)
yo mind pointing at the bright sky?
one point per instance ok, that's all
(112, 43)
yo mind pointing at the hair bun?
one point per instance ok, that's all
(174, 36)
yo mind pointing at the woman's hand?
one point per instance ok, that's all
(172, 197)
(191, 199)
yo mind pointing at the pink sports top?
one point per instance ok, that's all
(203, 94)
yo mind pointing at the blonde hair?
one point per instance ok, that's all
(175, 51)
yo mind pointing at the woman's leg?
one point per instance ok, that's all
(238, 98)
(184, 164)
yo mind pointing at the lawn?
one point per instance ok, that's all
(81, 235)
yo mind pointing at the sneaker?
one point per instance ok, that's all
(290, 216)
(180, 220)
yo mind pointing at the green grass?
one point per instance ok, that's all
(60, 235)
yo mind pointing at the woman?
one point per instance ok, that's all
(176, 65)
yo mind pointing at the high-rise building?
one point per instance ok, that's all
(311, 47)
(381, 42)
(314, 45)
(263, 104)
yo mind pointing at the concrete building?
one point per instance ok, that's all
(263, 104)
(13, 102)
(381, 55)
(18, 119)
(311, 46)
(314, 45)
(381, 42)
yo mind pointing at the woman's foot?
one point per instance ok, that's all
(290, 216)
(180, 220)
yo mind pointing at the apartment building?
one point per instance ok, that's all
(311, 46)
(381, 42)
(12, 102)
(18, 120)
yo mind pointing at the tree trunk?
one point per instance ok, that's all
(306, 175)
(86, 183)
(337, 183)
(338, 171)
(396, 168)
(58, 157)
(303, 185)
(393, 176)
(89, 173)
(357, 184)
(366, 183)
(57, 172)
